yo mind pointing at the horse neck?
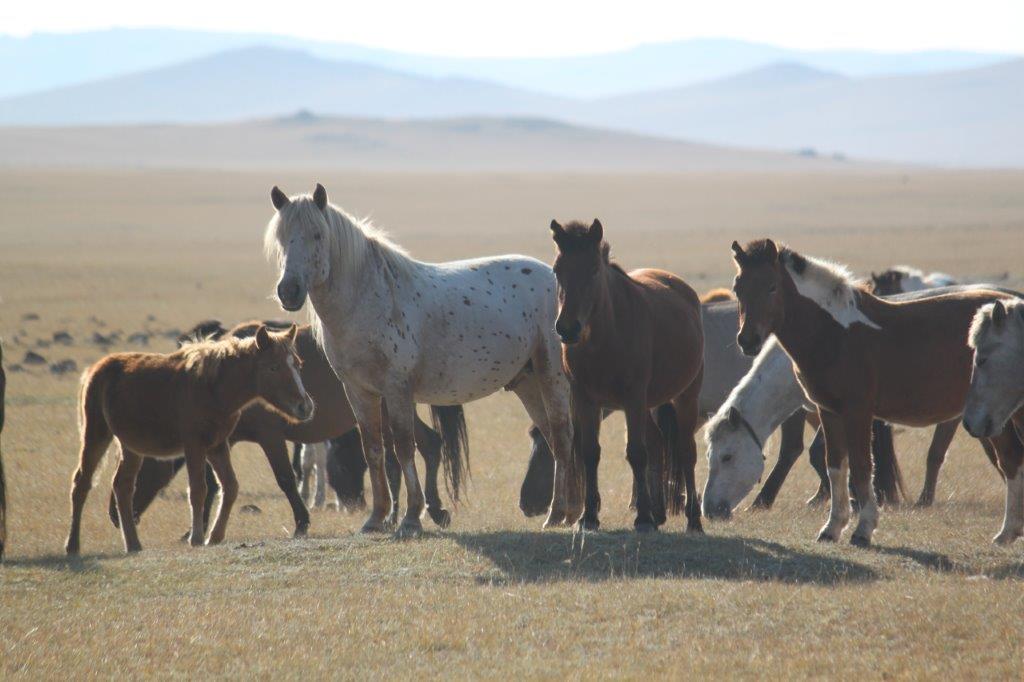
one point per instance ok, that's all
(236, 384)
(807, 328)
(769, 393)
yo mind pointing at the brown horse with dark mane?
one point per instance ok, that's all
(631, 342)
(858, 357)
(333, 418)
(190, 400)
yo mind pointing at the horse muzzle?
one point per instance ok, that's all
(291, 295)
(750, 344)
(720, 511)
(304, 410)
(979, 428)
(569, 333)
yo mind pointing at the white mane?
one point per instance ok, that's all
(982, 322)
(349, 241)
(831, 285)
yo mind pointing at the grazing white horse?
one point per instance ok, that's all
(408, 332)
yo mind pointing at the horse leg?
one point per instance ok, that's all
(687, 409)
(124, 489)
(555, 396)
(1010, 452)
(402, 418)
(305, 471)
(275, 448)
(637, 415)
(154, 475)
(587, 421)
(657, 459)
(838, 476)
(195, 462)
(529, 392)
(393, 471)
(789, 452)
(941, 439)
(535, 493)
(319, 464)
(367, 409)
(857, 426)
(428, 442)
(96, 437)
(816, 454)
(887, 479)
(220, 460)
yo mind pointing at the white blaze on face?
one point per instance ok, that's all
(296, 377)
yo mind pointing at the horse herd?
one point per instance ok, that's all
(573, 341)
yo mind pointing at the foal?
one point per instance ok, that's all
(631, 342)
(858, 357)
(159, 405)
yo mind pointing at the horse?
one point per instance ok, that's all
(158, 405)
(904, 279)
(995, 399)
(401, 331)
(717, 295)
(858, 357)
(724, 366)
(3, 481)
(632, 342)
(333, 416)
(765, 397)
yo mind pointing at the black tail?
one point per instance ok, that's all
(888, 480)
(672, 473)
(450, 422)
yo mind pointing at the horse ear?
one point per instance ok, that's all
(596, 231)
(279, 198)
(771, 250)
(737, 253)
(998, 313)
(262, 338)
(557, 232)
(320, 197)
(734, 417)
(292, 333)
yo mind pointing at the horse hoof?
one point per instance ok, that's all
(196, 541)
(554, 520)
(71, 550)
(185, 538)
(826, 536)
(410, 528)
(441, 517)
(374, 526)
(759, 505)
(644, 527)
(301, 531)
(924, 503)
(695, 529)
(860, 540)
(1005, 538)
(585, 525)
(133, 549)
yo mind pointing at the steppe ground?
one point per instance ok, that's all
(493, 596)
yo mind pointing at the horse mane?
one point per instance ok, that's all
(982, 323)
(831, 285)
(349, 241)
(204, 358)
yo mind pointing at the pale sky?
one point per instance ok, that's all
(556, 27)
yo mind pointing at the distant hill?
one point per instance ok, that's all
(308, 141)
(260, 82)
(46, 61)
(958, 118)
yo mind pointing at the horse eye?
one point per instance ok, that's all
(772, 288)
(275, 367)
(726, 459)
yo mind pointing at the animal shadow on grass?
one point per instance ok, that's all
(524, 557)
(61, 562)
(942, 563)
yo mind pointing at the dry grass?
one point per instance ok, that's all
(493, 596)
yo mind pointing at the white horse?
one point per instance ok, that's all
(408, 332)
(996, 394)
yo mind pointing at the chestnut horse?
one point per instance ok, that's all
(158, 405)
(631, 342)
(858, 357)
(266, 427)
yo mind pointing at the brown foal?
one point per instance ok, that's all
(190, 400)
(631, 342)
(858, 357)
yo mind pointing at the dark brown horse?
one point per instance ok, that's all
(631, 342)
(333, 417)
(859, 357)
(190, 400)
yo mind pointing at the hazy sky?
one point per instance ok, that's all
(557, 27)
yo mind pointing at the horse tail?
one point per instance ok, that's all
(450, 422)
(716, 295)
(3, 482)
(888, 481)
(672, 471)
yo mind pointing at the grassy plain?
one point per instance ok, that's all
(101, 251)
